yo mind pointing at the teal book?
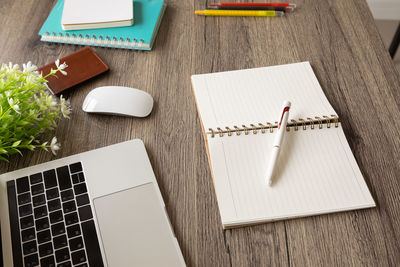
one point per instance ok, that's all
(141, 35)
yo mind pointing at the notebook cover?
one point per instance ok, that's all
(146, 16)
(82, 65)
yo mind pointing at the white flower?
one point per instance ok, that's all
(54, 146)
(53, 102)
(13, 105)
(61, 67)
(10, 102)
(29, 67)
(16, 108)
(31, 79)
(65, 107)
(12, 66)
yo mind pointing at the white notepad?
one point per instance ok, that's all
(93, 14)
(317, 172)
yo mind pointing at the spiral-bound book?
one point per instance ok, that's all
(141, 35)
(316, 173)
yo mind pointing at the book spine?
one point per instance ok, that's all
(269, 127)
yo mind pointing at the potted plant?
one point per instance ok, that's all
(28, 109)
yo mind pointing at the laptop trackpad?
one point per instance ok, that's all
(135, 230)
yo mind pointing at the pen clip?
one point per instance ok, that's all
(285, 109)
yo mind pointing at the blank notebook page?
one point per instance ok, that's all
(96, 11)
(316, 173)
(256, 95)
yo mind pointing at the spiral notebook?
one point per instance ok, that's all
(316, 173)
(148, 15)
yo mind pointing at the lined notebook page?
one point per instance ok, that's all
(256, 95)
(316, 174)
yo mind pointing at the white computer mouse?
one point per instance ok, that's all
(118, 100)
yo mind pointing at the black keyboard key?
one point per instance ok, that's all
(26, 222)
(80, 189)
(29, 247)
(64, 180)
(69, 206)
(50, 179)
(62, 255)
(40, 212)
(37, 189)
(38, 200)
(60, 241)
(25, 210)
(82, 265)
(92, 244)
(65, 264)
(56, 216)
(52, 193)
(42, 224)
(14, 225)
(73, 231)
(67, 195)
(85, 213)
(45, 249)
(71, 218)
(76, 243)
(57, 229)
(22, 185)
(75, 178)
(24, 198)
(81, 177)
(82, 200)
(31, 260)
(28, 234)
(35, 178)
(78, 257)
(48, 262)
(76, 167)
(54, 204)
(43, 236)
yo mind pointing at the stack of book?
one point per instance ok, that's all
(118, 24)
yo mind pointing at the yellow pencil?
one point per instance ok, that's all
(241, 13)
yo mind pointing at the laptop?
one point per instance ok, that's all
(98, 208)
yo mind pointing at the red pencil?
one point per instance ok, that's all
(255, 4)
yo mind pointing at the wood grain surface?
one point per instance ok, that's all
(342, 43)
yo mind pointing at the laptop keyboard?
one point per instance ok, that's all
(52, 221)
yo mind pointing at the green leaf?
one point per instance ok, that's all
(3, 151)
(16, 143)
(3, 158)
(17, 151)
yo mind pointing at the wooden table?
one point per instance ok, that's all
(342, 43)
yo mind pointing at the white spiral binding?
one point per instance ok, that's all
(105, 41)
(264, 127)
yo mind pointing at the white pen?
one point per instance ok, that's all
(278, 141)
